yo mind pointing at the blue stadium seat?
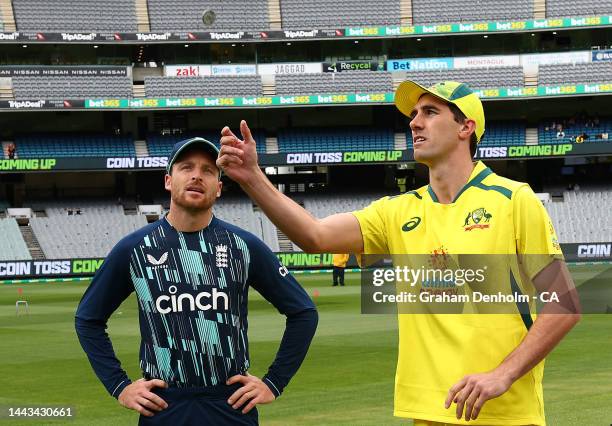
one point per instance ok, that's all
(548, 135)
(161, 145)
(335, 139)
(70, 145)
(496, 134)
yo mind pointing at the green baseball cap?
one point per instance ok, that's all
(453, 92)
(179, 147)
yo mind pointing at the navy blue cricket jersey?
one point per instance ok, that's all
(192, 290)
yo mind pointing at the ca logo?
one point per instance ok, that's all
(411, 224)
(283, 271)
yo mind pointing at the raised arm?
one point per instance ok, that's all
(339, 233)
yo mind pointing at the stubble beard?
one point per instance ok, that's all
(193, 206)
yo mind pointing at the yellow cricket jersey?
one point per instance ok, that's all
(340, 259)
(490, 215)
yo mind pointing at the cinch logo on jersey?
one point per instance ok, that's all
(176, 303)
(473, 219)
(411, 224)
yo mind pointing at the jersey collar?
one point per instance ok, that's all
(478, 174)
(166, 222)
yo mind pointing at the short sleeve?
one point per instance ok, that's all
(373, 227)
(535, 235)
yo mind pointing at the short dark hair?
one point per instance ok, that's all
(460, 118)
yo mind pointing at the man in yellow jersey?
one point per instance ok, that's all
(339, 261)
(454, 368)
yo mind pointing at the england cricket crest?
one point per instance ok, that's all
(221, 256)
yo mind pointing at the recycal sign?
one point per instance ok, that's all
(350, 66)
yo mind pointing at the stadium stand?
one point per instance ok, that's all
(13, 247)
(555, 8)
(186, 15)
(244, 85)
(65, 208)
(583, 216)
(476, 78)
(504, 134)
(334, 138)
(75, 15)
(446, 11)
(324, 205)
(239, 211)
(593, 72)
(161, 145)
(78, 236)
(342, 82)
(74, 145)
(59, 88)
(496, 134)
(329, 14)
(564, 131)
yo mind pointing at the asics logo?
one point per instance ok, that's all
(159, 261)
(411, 224)
(202, 301)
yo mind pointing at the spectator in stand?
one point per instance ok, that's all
(581, 138)
(11, 150)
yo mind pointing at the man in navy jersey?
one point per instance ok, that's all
(191, 273)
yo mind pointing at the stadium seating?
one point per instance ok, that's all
(59, 88)
(496, 134)
(593, 72)
(71, 145)
(324, 205)
(330, 14)
(78, 236)
(162, 145)
(548, 134)
(186, 15)
(244, 85)
(239, 211)
(504, 134)
(75, 15)
(342, 82)
(476, 78)
(12, 247)
(447, 11)
(573, 8)
(583, 216)
(65, 208)
(334, 138)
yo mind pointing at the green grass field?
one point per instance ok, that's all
(347, 378)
